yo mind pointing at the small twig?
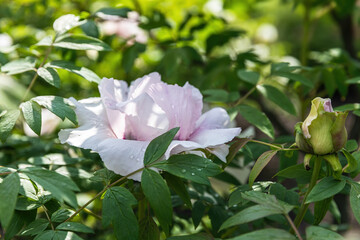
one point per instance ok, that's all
(245, 96)
(92, 213)
(5, 173)
(102, 191)
(48, 217)
(293, 226)
(205, 227)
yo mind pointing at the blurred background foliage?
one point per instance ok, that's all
(229, 49)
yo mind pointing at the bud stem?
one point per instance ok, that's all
(314, 178)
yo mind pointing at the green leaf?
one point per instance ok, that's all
(19, 66)
(36, 227)
(65, 23)
(260, 163)
(250, 214)
(80, 42)
(348, 107)
(117, 210)
(57, 105)
(156, 191)
(50, 76)
(235, 196)
(248, 76)
(74, 227)
(258, 119)
(148, 229)
(297, 171)
(19, 219)
(277, 97)
(355, 80)
(178, 185)
(9, 189)
(351, 145)
(191, 167)
(61, 215)
(196, 236)
(268, 233)
(61, 187)
(130, 54)
(90, 28)
(267, 200)
(282, 194)
(7, 122)
(319, 233)
(121, 12)
(217, 215)
(32, 115)
(57, 235)
(158, 146)
(326, 188)
(215, 95)
(294, 77)
(340, 78)
(235, 147)
(81, 71)
(103, 175)
(219, 39)
(320, 209)
(197, 213)
(329, 81)
(355, 200)
(352, 163)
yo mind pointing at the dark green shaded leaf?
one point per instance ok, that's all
(81, 71)
(36, 227)
(57, 235)
(216, 95)
(329, 82)
(351, 145)
(57, 105)
(250, 77)
(269, 233)
(156, 20)
(121, 12)
(277, 97)
(103, 175)
(340, 78)
(320, 209)
(19, 66)
(258, 119)
(295, 77)
(250, 214)
(197, 212)
(90, 28)
(61, 187)
(61, 215)
(260, 163)
(282, 194)
(74, 227)
(50, 76)
(217, 215)
(158, 195)
(7, 122)
(297, 171)
(9, 189)
(130, 54)
(177, 184)
(117, 210)
(267, 200)
(319, 233)
(158, 146)
(219, 39)
(196, 236)
(32, 115)
(236, 198)
(148, 229)
(326, 188)
(237, 144)
(190, 166)
(355, 200)
(19, 219)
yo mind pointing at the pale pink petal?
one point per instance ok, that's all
(212, 119)
(94, 127)
(145, 120)
(123, 156)
(221, 151)
(213, 137)
(182, 106)
(111, 92)
(141, 85)
(327, 105)
(177, 146)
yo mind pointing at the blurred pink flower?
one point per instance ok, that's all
(120, 124)
(127, 28)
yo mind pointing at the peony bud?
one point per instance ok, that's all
(323, 131)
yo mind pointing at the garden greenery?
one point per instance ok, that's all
(87, 157)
